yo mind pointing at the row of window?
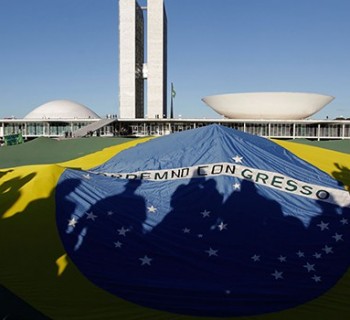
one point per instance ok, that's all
(282, 130)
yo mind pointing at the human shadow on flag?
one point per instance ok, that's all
(10, 190)
(342, 175)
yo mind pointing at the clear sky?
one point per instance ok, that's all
(68, 49)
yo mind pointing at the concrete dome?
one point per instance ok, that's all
(268, 105)
(62, 109)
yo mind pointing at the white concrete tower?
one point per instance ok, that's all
(156, 59)
(133, 69)
(131, 59)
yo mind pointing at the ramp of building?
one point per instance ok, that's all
(82, 132)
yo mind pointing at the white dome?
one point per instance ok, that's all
(267, 105)
(62, 109)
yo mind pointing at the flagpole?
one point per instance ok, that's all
(172, 108)
(172, 101)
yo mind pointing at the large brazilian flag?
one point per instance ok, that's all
(209, 223)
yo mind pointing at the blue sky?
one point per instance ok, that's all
(68, 49)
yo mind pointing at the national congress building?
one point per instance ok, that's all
(143, 97)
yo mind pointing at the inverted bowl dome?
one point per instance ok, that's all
(267, 105)
(62, 109)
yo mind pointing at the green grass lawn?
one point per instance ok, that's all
(336, 145)
(47, 150)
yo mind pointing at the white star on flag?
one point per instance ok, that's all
(72, 222)
(344, 221)
(237, 159)
(309, 267)
(323, 225)
(110, 213)
(338, 237)
(282, 259)
(255, 258)
(122, 231)
(91, 216)
(316, 278)
(327, 249)
(277, 275)
(317, 255)
(205, 213)
(145, 261)
(212, 252)
(118, 244)
(236, 186)
(222, 226)
(87, 176)
(152, 209)
(186, 230)
(300, 254)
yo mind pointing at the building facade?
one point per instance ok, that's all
(277, 129)
(134, 69)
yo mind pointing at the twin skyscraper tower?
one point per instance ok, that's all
(142, 60)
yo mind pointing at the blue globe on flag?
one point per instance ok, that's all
(207, 222)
